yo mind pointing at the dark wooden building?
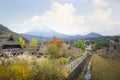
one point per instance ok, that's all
(36, 50)
(8, 46)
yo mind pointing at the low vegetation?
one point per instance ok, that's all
(99, 45)
(57, 49)
(31, 69)
(105, 69)
(50, 67)
(17, 70)
(53, 51)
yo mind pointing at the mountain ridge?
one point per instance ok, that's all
(7, 31)
(49, 33)
(69, 37)
(46, 34)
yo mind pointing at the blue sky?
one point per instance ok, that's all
(16, 11)
(64, 16)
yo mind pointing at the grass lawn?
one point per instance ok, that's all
(105, 69)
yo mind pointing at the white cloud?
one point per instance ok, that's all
(63, 18)
(100, 3)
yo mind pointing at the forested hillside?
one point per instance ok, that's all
(5, 31)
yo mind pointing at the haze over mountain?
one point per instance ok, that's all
(45, 33)
(30, 37)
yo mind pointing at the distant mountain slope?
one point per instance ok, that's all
(30, 37)
(92, 35)
(49, 33)
(46, 32)
(5, 30)
(39, 38)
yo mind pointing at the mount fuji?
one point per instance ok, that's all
(46, 32)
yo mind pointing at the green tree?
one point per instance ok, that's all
(100, 44)
(22, 41)
(53, 51)
(34, 42)
(80, 44)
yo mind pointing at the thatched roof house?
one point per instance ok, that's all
(7, 42)
(8, 46)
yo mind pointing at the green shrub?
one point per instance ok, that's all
(63, 61)
(15, 71)
(34, 70)
(54, 51)
(20, 70)
(99, 45)
(48, 70)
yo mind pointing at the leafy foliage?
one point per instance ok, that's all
(99, 45)
(34, 42)
(53, 50)
(63, 60)
(22, 41)
(56, 41)
(80, 44)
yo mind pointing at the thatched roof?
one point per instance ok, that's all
(7, 40)
(4, 38)
(11, 43)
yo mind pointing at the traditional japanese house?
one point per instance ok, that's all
(35, 50)
(9, 45)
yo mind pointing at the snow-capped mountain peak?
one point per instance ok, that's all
(45, 31)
